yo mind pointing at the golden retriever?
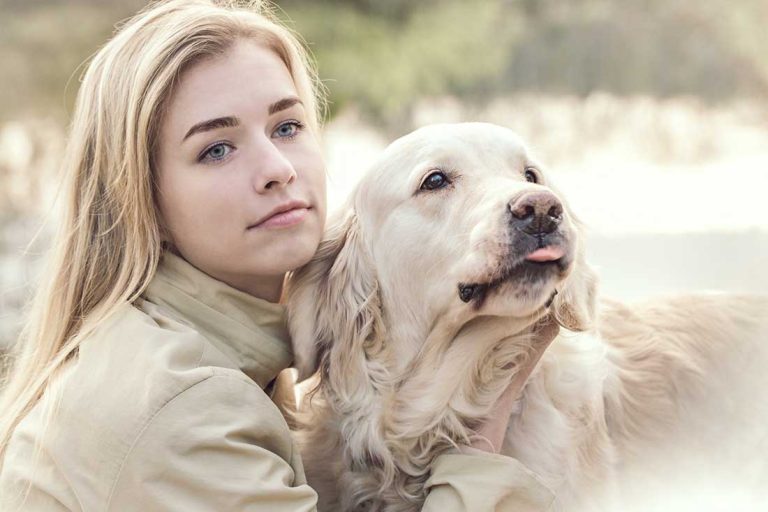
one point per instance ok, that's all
(413, 316)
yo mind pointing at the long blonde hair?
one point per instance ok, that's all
(109, 242)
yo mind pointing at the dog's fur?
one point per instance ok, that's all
(406, 369)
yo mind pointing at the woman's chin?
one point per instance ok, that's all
(288, 256)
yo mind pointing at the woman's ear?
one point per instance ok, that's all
(333, 304)
(576, 301)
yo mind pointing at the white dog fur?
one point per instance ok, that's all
(406, 369)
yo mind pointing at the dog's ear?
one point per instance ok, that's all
(333, 303)
(576, 301)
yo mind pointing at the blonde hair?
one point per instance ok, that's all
(109, 242)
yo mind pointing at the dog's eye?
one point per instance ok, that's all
(530, 175)
(435, 181)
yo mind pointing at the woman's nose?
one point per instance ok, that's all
(272, 168)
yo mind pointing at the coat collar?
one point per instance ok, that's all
(251, 331)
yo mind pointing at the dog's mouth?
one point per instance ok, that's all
(539, 265)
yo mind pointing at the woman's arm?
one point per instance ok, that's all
(218, 445)
(477, 481)
(223, 445)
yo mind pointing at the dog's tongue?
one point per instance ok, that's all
(550, 253)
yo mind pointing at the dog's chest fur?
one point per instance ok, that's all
(558, 429)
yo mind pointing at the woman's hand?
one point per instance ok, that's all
(490, 436)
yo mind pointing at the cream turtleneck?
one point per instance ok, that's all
(249, 330)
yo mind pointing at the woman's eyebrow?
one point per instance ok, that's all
(212, 124)
(283, 104)
(232, 121)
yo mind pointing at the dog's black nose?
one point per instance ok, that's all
(536, 213)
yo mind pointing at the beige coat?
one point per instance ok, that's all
(164, 409)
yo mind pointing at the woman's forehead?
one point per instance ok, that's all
(242, 82)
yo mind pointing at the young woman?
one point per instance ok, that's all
(195, 182)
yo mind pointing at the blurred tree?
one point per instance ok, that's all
(639, 49)
(384, 62)
(43, 44)
(383, 56)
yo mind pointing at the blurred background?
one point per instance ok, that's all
(652, 116)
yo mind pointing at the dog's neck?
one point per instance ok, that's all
(397, 424)
(418, 325)
(463, 349)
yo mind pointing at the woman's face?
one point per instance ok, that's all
(234, 149)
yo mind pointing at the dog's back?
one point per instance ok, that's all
(686, 405)
(662, 403)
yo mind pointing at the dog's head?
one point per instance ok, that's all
(452, 222)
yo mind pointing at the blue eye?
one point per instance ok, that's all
(288, 130)
(216, 153)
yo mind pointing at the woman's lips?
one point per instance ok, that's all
(284, 219)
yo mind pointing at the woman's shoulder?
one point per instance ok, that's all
(137, 361)
(141, 367)
(143, 356)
